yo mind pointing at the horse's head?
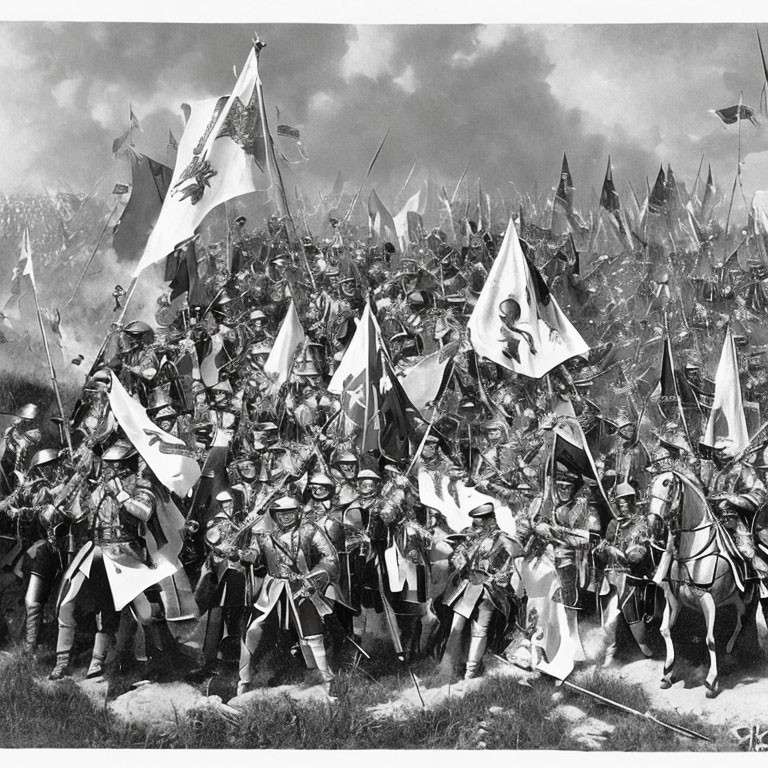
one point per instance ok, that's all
(664, 495)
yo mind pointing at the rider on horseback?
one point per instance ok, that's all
(739, 494)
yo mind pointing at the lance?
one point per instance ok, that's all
(93, 252)
(370, 168)
(679, 729)
(54, 380)
(458, 184)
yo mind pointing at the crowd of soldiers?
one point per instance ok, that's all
(292, 528)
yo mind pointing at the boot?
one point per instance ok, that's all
(317, 646)
(102, 644)
(61, 669)
(34, 618)
(414, 647)
(475, 656)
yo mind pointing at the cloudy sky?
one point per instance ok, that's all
(508, 99)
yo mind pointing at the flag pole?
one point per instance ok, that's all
(370, 168)
(258, 46)
(93, 253)
(54, 381)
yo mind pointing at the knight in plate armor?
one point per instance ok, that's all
(298, 562)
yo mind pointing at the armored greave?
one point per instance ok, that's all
(568, 575)
(248, 647)
(37, 593)
(214, 631)
(102, 643)
(479, 638)
(34, 618)
(317, 646)
(453, 646)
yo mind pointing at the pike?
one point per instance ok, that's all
(370, 168)
(679, 729)
(94, 251)
(458, 184)
(413, 168)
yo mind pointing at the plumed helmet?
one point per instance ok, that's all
(28, 412)
(119, 450)
(45, 456)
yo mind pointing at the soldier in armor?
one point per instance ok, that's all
(19, 439)
(344, 469)
(739, 494)
(319, 509)
(628, 561)
(62, 537)
(298, 563)
(116, 561)
(366, 539)
(570, 527)
(484, 564)
(137, 363)
(221, 588)
(631, 457)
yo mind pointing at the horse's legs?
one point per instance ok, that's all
(671, 609)
(709, 609)
(740, 610)
(610, 615)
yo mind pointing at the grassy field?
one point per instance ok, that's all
(36, 713)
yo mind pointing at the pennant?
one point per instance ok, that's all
(375, 411)
(609, 197)
(289, 338)
(150, 180)
(516, 322)
(405, 223)
(727, 420)
(657, 201)
(122, 143)
(564, 218)
(731, 115)
(222, 155)
(381, 224)
(134, 121)
(167, 456)
(423, 381)
(708, 201)
(571, 448)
